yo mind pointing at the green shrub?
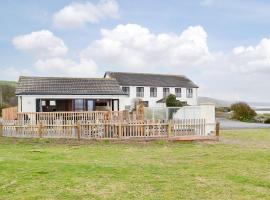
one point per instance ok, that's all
(267, 121)
(243, 112)
(171, 101)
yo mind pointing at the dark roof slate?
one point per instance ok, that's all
(67, 86)
(157, 80)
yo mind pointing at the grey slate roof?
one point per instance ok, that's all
(67, 86)
(157, 80)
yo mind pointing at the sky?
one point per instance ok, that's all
(223, 46)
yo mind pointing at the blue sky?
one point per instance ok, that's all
(222, 63)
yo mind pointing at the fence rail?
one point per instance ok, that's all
(67, 118)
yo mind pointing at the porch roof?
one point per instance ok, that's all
(29, 85)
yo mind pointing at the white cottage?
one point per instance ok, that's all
(152, 89)
(115, 91)
(50, 94)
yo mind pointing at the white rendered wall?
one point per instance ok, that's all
(208, 113)
(29, 101)
(28, 104)
(203, 111)
(152, 100)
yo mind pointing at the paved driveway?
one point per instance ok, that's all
(227, 124)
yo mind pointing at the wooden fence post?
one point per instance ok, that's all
(78, 130)
(40, 129)
(1, 129)
(169, 128)
(217, 130)
(119, 131)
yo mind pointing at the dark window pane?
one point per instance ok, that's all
(166, 92)
(139, 92)
(126, 90)
(178, 92)
(189, 93)
(153, 92)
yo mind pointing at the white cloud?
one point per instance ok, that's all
(252, 59)
(43, 43)
(78, 14)
(229, 75)
(135, 47)
(51, 54)
(66, 67)
(241, 74)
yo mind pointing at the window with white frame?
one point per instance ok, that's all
(178, 92)
(126, 90)
(52, 103)
(43, 103)
(140, 92)
(189, 93)
(153, 92)
(166, 92)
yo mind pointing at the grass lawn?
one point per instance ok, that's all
(237, 167)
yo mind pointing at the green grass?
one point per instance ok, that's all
(237, 167)
(11, 83)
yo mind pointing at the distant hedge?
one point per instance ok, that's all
(243, 112)
(267, 121)
(7, 92)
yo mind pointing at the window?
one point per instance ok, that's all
(139, 92)
(189, 93)
(184, 103)
(43, 103)
(166, 92)
(126, 90)
(52, 103)
(178, 92)
(78, 104)
(153, 92)
(90, 105)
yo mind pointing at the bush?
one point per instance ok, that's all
(171, 101)
(267, 121)
(243, 112)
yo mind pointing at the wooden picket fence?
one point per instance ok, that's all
(107, 130)
(98, 125)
